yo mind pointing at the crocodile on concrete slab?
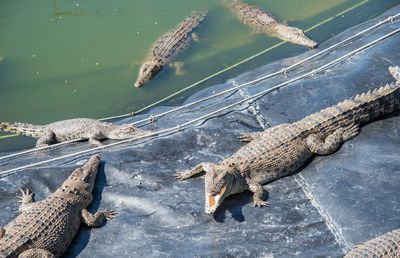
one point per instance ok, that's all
(46, 228)
(78, 128)
(264, 23)
(386, 245)
(281, 150)
(168, 46)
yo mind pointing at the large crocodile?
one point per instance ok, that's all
(46, 228)
(78, 128)
(386, 245)
(281, 150)
(264, 23)
(168, 46)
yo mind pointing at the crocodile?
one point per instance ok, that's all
(72, 129)
(168, 46)
(264, 23)
(46, 228)
(386, 245)
(281, 150)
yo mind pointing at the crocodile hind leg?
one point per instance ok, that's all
(95, 142)
(178, 67)
(332, 142)
(204, 166)
(97, 219)
(36, 252)
(258, 193)
(26, 200)
(47, 139)
(2, 232)
(248, 137)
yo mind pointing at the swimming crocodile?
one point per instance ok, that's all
(264, 23)
(78, 128)
(168, 46)
(386, 245)
(281, 150)
(46, 228)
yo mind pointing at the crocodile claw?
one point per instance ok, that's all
(258, 202)
(25, 197)
(245, 137)
(110, 214)
(181, 175)
(350, 132)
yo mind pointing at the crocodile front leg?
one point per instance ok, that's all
(2, 232)
(36, 252)
(97, 219)
(47, 139)
(332, 142)
(259, 193)
(26, 200)
(204, 166)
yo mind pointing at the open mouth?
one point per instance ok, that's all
(213, 201)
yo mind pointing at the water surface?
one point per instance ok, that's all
(67, 59)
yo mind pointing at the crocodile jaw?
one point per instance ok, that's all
(213, 201)
(293, 35)
(125, 131)
(147, 72)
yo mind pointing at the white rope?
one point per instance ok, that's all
(282, 71)
(153, 118)
(180, 126)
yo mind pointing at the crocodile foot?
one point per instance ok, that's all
(350, 132)
(258, 202)
(182, 175)
(110, 214)
(26, 197)
(245, 137)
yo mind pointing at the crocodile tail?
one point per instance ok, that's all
(386, 245)
(357, 110)
(395, 71)
(376, 103)
(35, 131)
(368, 106)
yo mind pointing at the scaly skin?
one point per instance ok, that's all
(78, 128)
(281, 150)
(46, 228)
(264, 23)
(168, 46)
(386, 245)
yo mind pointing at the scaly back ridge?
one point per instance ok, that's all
(357, 110)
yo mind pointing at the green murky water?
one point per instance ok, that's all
(66, 59)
